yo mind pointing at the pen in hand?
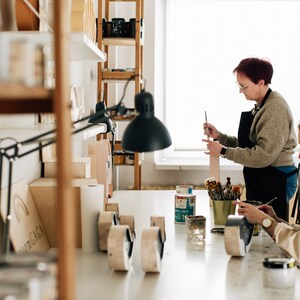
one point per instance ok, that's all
(271, 201)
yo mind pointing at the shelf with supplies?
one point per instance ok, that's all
(119, 75)
(117, 32)
(17, 97)
(128, 117)
(81, 47)
(122, 157)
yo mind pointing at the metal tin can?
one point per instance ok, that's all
(184, 189)
(185, 204)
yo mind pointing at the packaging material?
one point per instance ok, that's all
(92, 197)
(101, 164)
(44, 193)
(27, 232)
(81, 167)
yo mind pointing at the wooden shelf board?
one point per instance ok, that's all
(18, 91)
(18, 106)
(115, 77)
(118, 41)
(108, 75)
(22, 99)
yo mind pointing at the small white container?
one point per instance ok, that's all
(279, 272)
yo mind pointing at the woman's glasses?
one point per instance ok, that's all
(242, 87)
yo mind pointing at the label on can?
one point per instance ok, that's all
(184, 189)
(184, 205)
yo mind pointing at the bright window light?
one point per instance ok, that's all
(205, 41)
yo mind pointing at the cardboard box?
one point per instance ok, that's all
(101, 161)
(81, 167)
(44, 193)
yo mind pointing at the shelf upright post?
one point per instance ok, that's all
(138, 81)
(65, 199)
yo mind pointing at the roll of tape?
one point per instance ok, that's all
(160, 222)
(119, 248)
(105, 221)
(237, 235)
(113, 207)
(128, 220)
(152, 249)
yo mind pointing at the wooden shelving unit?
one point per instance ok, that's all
(106, 76)
(20, 99)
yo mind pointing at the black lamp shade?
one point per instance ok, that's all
(145, 133)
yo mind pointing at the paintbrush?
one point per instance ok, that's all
(271, 201)
(207, 130)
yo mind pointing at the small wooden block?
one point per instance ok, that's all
(128, 220)
(160, 222)
(105, 221)
(113, 207)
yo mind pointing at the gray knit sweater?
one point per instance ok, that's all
(272, 134)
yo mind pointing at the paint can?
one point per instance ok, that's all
(184, 189)
(185, 205)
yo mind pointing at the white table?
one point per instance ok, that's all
(205, 272)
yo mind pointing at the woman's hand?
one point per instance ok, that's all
(270, 211)
(213, 147)
(252, 213)
(210, 130)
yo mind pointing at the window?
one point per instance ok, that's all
(205, 41)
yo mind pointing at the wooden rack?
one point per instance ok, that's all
(106, 76)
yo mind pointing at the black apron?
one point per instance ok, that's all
(263, 184)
